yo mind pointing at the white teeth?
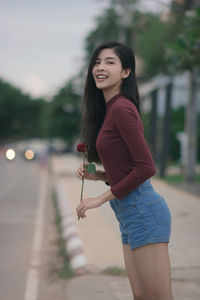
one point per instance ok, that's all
(101, 76)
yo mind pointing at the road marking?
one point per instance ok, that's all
(31, 291)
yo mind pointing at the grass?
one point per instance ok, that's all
(64, 270)
(115, 271)
(179, 178)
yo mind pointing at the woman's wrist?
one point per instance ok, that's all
(107, 196)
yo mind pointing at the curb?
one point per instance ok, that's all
(73, 243)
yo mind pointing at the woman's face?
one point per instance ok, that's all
(107, 71)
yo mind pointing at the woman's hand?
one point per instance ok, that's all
(93, 203)
(87, 204)
(83, 172)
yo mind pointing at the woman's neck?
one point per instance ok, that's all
(110, 93)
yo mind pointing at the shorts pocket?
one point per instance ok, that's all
(160, 211)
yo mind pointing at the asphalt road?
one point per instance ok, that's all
(23, 187)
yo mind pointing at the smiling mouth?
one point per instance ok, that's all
(101, 77)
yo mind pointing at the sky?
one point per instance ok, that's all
(42, 41)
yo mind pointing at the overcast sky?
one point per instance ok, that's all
(42, 41)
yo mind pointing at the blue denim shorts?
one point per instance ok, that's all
(143, 215)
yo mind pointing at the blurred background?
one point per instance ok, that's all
(44, 53)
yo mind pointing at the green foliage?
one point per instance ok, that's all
(150, 44)
(107, 29)
(23, 117)
(64, 270)
(122, 21)
(180, 178)
(64, 113)
(115, 271)
(146, 123)
(198, 138)
(184, 53)
(110, 25)
(20, 115)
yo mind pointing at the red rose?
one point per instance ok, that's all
(81, 147)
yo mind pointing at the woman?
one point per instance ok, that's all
(113, 132)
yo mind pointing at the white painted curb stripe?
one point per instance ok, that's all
(31, 291)
(73, 244)
(68, 231)
(78, 261)
(67, 222)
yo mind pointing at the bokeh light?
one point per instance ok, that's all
(29, 154)
(10, 154)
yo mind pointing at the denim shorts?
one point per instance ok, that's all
(143, 215)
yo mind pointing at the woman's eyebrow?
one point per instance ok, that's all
(109, 57)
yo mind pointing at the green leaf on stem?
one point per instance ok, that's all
(91, 168)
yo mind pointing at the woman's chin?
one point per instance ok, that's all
(103, 87)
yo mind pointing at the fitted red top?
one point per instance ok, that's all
(122, 148)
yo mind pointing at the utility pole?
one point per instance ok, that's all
(191, 116)
(191, 128)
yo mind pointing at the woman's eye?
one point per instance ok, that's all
(110, 62)
(97, 63)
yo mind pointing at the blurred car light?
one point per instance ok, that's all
(29, 154)
(10, 154)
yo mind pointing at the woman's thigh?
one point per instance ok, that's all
(153, 267)
(133, 275)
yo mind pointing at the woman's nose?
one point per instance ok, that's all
(100, 67)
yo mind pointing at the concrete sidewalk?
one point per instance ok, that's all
(101, 242)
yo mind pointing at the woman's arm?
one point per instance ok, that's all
(94, 202)
(101, 175)
(129, 125)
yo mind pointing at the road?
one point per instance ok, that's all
(23, 190)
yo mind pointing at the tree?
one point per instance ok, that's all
(122, 21)
(184, 55)
(64, 113)
(20, 115)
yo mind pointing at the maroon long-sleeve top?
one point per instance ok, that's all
(122, 148)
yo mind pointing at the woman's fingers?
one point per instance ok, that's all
(83, 172)
(80, 172)
(81, 210)
(87, 204)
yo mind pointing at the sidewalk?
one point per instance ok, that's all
(101, 242)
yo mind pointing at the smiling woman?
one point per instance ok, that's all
(113, 131)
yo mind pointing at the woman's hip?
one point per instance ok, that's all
(144, 203)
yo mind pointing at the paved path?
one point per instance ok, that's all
(101, 240)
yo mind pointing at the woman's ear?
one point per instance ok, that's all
(125, 73)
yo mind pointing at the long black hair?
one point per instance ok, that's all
(93, 103)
